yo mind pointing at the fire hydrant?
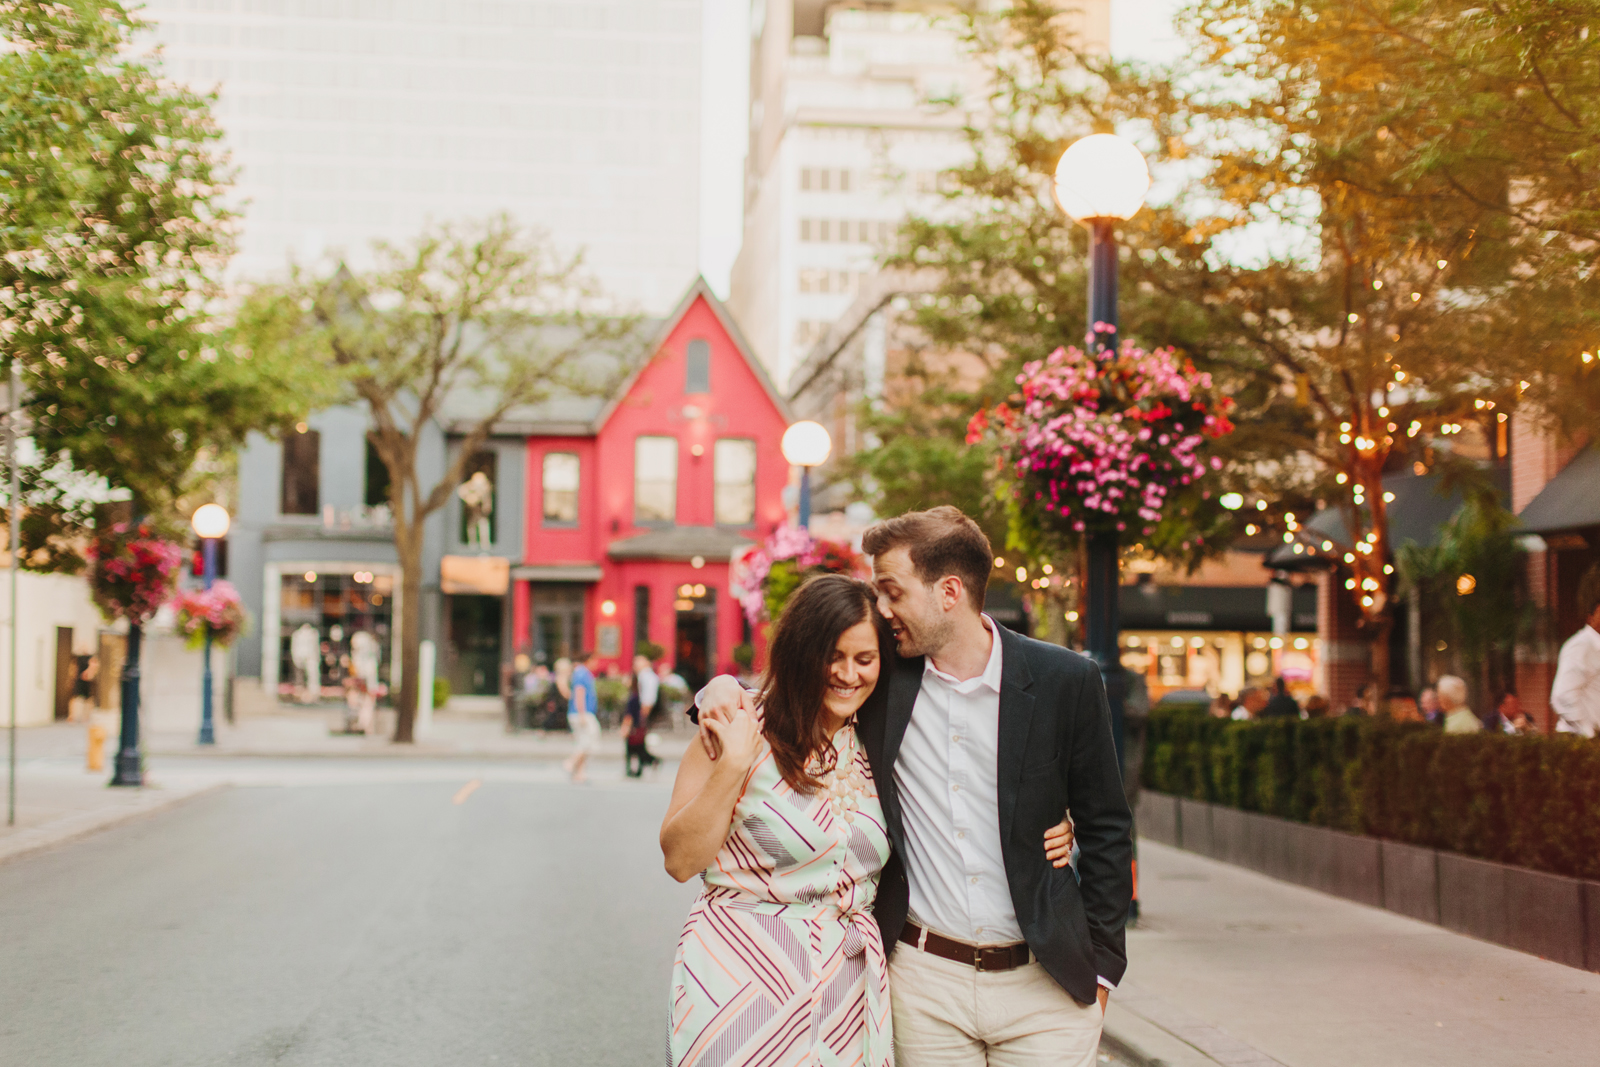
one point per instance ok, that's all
(97, 746)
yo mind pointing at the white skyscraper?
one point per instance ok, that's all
(843, 142)
(355, 119)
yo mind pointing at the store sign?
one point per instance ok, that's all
(484, 575)
(1188, 618)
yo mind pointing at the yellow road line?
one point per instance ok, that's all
(466, 791)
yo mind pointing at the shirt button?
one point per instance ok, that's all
(961, 834)
(956, 738)
(974, 879)
(955, 789)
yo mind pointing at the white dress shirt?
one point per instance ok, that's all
(947, 779)
(649, 688)
(1575, 695)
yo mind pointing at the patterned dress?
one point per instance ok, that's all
(781, 963)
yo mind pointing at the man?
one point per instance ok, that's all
(1575, 694)
(1428, 705)
(581, 717)
(1281, 705)
(981, 739)
(1458, 718)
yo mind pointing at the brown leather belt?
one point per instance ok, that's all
(990, 958)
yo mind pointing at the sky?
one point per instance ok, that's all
(1140, 29)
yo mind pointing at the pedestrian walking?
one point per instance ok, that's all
(85, 670)
(1251, 703)
(582, 717)
(1575, 694)
(1458, 718)
(635, 728)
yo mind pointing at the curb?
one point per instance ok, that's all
(73, 827)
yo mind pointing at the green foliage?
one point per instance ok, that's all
(1479, 544)
(744, 655)
(649, 650)
(611, 698)
(111, 237)
(1527, 801)
(782, 580)
(441, 691)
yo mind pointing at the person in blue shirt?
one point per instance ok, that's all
(581, 717)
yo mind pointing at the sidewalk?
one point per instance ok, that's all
(295, 732)
(1231, 967)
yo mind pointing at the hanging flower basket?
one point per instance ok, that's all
(217, 609)
(766, 575)
(1100, 444)
(132, 571)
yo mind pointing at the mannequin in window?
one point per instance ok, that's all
(477, 496)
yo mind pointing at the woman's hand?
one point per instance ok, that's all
(737, 740)
(721, 699)
(705, 794)
(1058, 843)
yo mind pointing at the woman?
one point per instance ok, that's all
(635, 728)
(780, 961)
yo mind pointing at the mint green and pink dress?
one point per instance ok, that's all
(781, 963)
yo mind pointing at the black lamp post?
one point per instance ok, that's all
(129, 768)
(210, 521)
(1100, 181)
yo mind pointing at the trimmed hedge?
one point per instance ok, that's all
(1525, 801)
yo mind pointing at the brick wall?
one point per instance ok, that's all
(1346, 652)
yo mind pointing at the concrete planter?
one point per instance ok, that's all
(1544, 914)
(1194, 826)
(1157, 817)
(1591, 926)
(1410, 880)
(1472, 897)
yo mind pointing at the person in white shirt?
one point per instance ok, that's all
(1000, 956)
(1458, 718)
(1575, 694)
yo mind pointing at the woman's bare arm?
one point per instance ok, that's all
(704, 796)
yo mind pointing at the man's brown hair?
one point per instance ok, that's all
(941, 541)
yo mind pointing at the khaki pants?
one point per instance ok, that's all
(947, 1014)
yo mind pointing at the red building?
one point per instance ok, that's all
(633, 517)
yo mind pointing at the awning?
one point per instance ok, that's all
(1147, 606)
(1420, 508)
(556, 572)
(1568, 501)
(681, 544)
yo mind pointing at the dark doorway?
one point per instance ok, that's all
(691, 650)
(66, 672)
(557, 621)
(474, 644)
(694, 645)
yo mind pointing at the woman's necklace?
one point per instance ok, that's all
(843, 783)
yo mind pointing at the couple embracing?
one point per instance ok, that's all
(882, 832)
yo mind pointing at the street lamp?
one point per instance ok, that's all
(1101, 180)
(210, 521)
(806, 445)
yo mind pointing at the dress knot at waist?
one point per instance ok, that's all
(862, 927)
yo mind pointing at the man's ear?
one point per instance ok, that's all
(951, 591)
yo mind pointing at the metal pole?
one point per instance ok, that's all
(15, 522)
(805, 498)
(130, 766)
(1102, 583)
(208, 736)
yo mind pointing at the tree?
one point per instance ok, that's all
(480, 315)
(1366, 313)
(111, 237)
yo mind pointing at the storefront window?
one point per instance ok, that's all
(560, 489)
(318, 615)
(655, 484)
(735, 462)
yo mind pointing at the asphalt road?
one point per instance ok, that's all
(350, 918)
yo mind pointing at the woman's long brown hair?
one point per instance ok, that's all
(796, 681)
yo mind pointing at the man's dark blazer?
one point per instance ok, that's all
(1056, 753)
